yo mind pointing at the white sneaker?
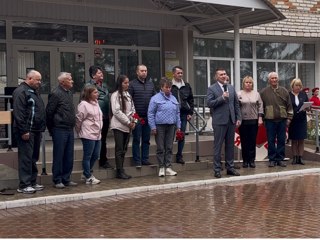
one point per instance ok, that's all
(38, 187)
(27, 190)
(161, 172)
(170, 172)
(92, 180)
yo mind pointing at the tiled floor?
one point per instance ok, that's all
(281, 208)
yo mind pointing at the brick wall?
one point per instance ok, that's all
(303, 18)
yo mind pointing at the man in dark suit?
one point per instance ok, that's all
(223, 101)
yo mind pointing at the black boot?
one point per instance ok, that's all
(299, 160)
(245, 164)
(122, 175)
(252, 164)
(295, 160)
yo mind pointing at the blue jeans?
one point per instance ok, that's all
(141, 132)
(276, 132)
(63, 151)
(164, 140)
(91, 152)
(183, 118)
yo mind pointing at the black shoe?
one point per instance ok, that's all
(180, 161)
(106, 165)
(281, 164)
(147, 163)
(245, 165)
(233, 172)
(295, 160)
(122, 175)
(272, 163)
(252, 164)
(217, 174)
(300, 161)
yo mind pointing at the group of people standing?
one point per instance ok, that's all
(126, 111)
(276, 107)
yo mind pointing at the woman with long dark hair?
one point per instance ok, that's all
(122, 122)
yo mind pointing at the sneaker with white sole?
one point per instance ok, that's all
(92, 180)
(27, 190)
(38, 187)
(170, 172)
(162, 172)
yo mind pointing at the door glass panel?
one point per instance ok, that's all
(3, 67)
(214, 64)
(74, 63)
(128, 61)
(104, 58)
(306, 74)
(38, 60)
(200, 77)
(152, 60)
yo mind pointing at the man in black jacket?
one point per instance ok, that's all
(141, 91)
(29, 123)
(183, 93)
(60, 122)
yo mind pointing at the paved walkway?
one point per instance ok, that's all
(262, 203)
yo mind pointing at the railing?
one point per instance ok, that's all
(7, 120)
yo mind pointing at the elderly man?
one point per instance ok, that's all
(226, 116)
(29, 123)
(60, 122)
(277, 116)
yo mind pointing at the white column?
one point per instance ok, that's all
(237, 80)
(185, 54)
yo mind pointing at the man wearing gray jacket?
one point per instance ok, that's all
(223, 101)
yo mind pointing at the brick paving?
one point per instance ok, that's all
(276, 203)
(285, 207)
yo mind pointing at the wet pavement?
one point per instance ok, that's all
(286, 207)
(261, 203)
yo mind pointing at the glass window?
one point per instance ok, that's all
(245, 49)
(285, 51)
(3, 67)
(213, 47)
(126, 37)
(287, 72)
(263, 69)
(49, 32)
(200, 77)
(2, 30)
(306, 74)
(246, 69)
(214, 64)
(128, 61)
(105, 59)
(151, 58)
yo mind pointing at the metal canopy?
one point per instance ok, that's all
(212, 16)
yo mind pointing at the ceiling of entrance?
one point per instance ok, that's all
(204, 16)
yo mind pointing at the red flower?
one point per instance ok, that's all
(137, 119)
(179, 136)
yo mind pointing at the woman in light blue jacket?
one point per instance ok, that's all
(163, 119)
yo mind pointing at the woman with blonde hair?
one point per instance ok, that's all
(251, 108)
(298, 125)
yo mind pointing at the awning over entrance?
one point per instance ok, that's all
(212, 16)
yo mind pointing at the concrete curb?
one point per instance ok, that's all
(115, 192)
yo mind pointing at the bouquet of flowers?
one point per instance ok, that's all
(138, 119)
(179, 136)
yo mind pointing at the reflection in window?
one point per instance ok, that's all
(200, 77)
(285, 51)
(245, 70)
(213, 47)
(2, 30)
(49, 32)
(245, 49)
(151, 58)
(287, 72)
(104, 58)
(263, 69)
(126, 37)
(306, 74)
(128, 61)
